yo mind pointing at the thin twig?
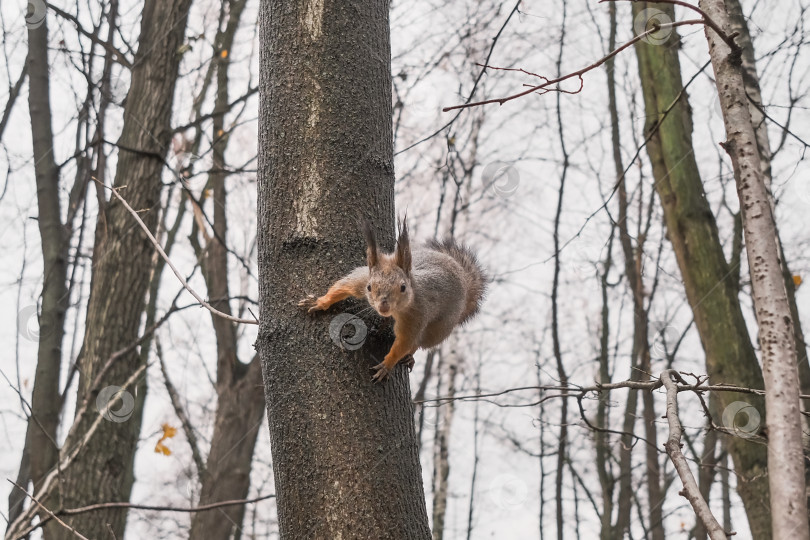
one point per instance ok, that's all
(169, 262)
(15, 529)
(51, 514)
(133, 506)
(578, 73)
(574, 390)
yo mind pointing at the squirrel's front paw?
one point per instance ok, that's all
(408, 361)
(310, 302)
(382, 372)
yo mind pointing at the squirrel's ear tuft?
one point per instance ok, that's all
(402, 258)
(372, 254)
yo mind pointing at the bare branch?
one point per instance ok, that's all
(174, 268)
(673, 446)
(134, 506)
(193, 509)
(117, 55)
(708, 21)
(579, 73)
(15, 529)
(62, 523)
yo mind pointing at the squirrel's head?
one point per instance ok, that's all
(389, 288)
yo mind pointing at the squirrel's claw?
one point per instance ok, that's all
(408, 361)
(310, 302)
(382, 372)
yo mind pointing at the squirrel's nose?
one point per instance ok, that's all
(384, 307)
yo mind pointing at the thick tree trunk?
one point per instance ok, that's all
(776, 334)
(122, 262)
(344, 450)
(691, 227)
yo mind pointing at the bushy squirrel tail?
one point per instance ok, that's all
(475, 280)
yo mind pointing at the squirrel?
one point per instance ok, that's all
(428, 292)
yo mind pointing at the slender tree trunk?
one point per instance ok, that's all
(441, 451)
(776, 333)
(13, 94)
(122, 263)
(562, 376)
(708, 466)
(240, 395)
(227, 472)
(737, 24)
(654, 491)
(725, 493)
(40, 452)
(691, 228)
(345, 454)
(607, 481)
(628, 425)
(476, 457)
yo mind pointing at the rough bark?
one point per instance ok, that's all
(776, 334)
(692, 230)
(122, 263)
(344, 450)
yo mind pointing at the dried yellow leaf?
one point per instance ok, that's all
(168, 433)
(161, 448)
(797, 280)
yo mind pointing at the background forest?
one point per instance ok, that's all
(606, 214)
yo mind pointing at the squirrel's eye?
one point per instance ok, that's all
(402, 288)
(369, 287)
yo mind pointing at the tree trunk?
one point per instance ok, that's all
(227, 473)
(751, 79)
(122, 263)
(344, 450)
(776, 334)
(240, 396)
(562, 376)
(604, 468)
(692, 230)
(40, 440)
(441, 441)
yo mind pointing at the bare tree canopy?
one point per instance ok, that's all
(454, 270)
